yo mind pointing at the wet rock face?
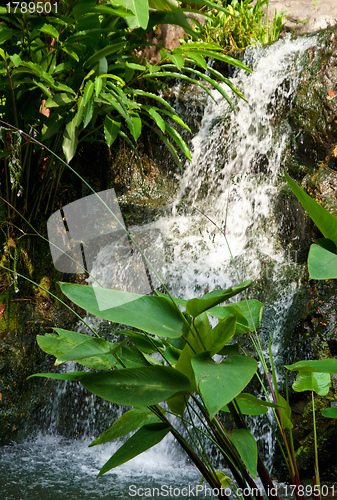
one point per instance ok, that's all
(312, 160)
(20, 399)
(314, 112)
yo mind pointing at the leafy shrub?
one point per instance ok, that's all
(242, 26)
(75, 76)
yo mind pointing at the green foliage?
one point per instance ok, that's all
(330, 412)
(131, 386)
(185, 374)
(314, 375)
(194, 307)
(245, 444)
(147, 436)
(188, 341)
(312, 381)
(322, 260)
(250, 405)
(243, 25)
(128, 422)
(77, 75)
(156, 315)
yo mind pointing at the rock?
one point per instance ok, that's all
(168, 36)
(306, 16)
(314, 112)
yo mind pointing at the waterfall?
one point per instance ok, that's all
(234, 179)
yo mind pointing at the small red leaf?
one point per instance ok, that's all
(2, 310)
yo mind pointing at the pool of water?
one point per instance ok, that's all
(55, 468)
(52, 468)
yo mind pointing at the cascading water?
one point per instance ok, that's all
(233, 179)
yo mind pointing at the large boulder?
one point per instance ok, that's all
(305, 16)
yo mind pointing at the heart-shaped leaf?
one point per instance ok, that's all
(312, 381)
(220, 383)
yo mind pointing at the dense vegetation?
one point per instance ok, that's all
(78, 75)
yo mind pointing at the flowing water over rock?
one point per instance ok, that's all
(235, 179)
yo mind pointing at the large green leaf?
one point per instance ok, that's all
(164, 4)
(322, 264)
(316, 365)
(324, 220)
(59, 99)
(330, 412)
(130, 386)
(146, 437)
(73, 376)
(246, 446)
(196, 343)
(50, 30)
(312, 381)
(248, 314)
(134, 123)
(105, 52)
(128, 422)
(88, 112)
(131, 357)
(137, 386)
(140, 8)
(194, 307)
(220, 383)
(87, 349)
(250, 405)
(156, 315)
(242, 323)
(88, 91)
(64, 341)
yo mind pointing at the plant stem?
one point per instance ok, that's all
(317, 479)
(213, 481)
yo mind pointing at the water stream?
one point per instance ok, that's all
(234, 178)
